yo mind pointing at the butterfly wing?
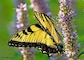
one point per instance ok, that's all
(48, 25)
(34, 36)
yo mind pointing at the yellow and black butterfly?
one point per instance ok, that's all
(43, 35)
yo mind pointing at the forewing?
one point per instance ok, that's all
(34, 36)
(47, 24)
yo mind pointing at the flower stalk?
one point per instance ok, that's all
(22, 23)
(22, 20)
(40, 6)
(69, 33)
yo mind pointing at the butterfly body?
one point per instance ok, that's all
(43, 36)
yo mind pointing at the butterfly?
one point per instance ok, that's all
(43, 35)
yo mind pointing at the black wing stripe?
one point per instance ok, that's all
(18, 35)
(24, 32)
(37, 25)
(43, 15)
(29, 30)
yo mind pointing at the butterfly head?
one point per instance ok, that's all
(60, 48)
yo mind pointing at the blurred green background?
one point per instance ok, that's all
(7, 15)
